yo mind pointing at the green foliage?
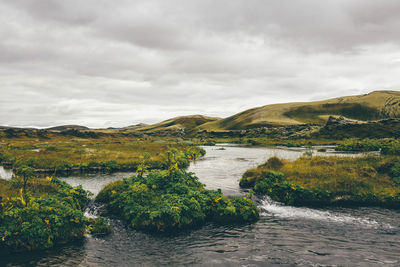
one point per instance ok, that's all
(250, 177)
(26, 173)
(98, 227)
(392, 148)
(392, 168)
(172, 200)
(387, 146)
(43, 221)
(330, 180)
(273, 163)
(291, 193)
(354, 144)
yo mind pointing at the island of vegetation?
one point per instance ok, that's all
(37, 213)
(321, 181)
(172, 200)
(66, 154)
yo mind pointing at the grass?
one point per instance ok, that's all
(318, 113)
(375, 105)
(387, 146)
(263, 141)
(183, 122)
(368, 180)
(104, 153)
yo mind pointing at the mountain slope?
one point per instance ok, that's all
(68, 127)
(373, 106)
(183, 122)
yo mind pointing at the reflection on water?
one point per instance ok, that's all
(284, 235)
(95, 182)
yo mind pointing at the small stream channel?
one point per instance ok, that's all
(284, 235)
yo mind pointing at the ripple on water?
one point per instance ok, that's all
(270, 207)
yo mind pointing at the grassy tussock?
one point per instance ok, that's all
(341, 175)
(368, 180)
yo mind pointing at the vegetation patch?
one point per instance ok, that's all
(98, 227)
(387, 146)
(316, 181)
(312, 113)
(66, 154)
(172, 200)
(43, 213)
(264, 141)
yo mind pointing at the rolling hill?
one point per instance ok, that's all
(68, 127)
(184, 122)
(368, 107)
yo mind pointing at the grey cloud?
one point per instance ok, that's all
(103, 62)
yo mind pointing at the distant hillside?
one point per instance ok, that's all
(132, 127)
(183, 122)
(368, 107)
(68, 127)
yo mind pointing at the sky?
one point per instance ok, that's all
(113, 63)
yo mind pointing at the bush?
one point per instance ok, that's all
(395, 173)
(354, 144)
(291, 193)
(172, 200)
(99, 227)
(387, 146)
(250, 177)
(38, 223)
(273, 163)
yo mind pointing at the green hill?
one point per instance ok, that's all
(178, 123)
(68, 127)
(373, 106)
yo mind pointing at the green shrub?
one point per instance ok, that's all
(172, 200)
(354, 144)
(98, 227)
(392, 148)
(250, 177)
(33, 223)
(387, 146)
(291, 193)
(273, 163)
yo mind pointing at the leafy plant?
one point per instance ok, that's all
(98, 227)
(26, 173)
(43, 221)
(172, 200)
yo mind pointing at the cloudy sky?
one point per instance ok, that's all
(106, 63)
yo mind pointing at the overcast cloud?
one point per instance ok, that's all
(106, 63)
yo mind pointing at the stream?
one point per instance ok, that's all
(284, 235)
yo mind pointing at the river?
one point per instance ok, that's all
(284, 235)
